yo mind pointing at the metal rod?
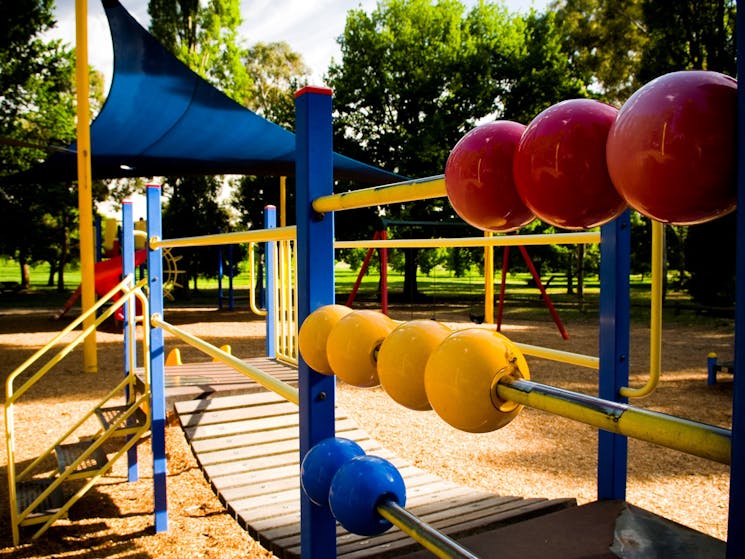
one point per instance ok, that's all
(256, 235)
(655, 317)
(561, 356)
(581, 237)
(267, 381)
(691, 437)
(424, 534)
(406, 191)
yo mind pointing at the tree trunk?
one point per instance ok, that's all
(63, 260)
(411, 292)
(52, 272)
(25, 270)
(570, 274)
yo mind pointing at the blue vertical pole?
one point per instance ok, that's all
(735, 534)
(270, 269)
(99, 242)
(128, 267)
(615, 242)
(315, 249)
(157, 360)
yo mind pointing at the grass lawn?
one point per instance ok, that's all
(439, 288)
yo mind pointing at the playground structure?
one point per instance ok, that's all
(508, 384)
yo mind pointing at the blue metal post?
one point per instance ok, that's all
(157, 360)
(270, 269)
(315, 250)
(99, 241)
(615, 241)
(735, 534)
(128, 267)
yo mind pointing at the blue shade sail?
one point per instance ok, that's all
(161, 118)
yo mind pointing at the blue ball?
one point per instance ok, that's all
(358, 487)
(321, 463)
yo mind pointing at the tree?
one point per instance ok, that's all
(205, 38)
(414, 76)
(37, 114)
(605, 41)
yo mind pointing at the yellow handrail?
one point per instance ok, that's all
(406, 191)
(581, 237)
(288, 392)
(655, 318)
(252, 282)
(129, 290)
(255, 235)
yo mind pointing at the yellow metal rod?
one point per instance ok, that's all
(269, 382)
(691, 437)
(85, 183)
(581, 237)
(282, 201)
(655, 317)
(395, 193)
(488, 281)
(432, 540)
(561, 356)
(257, 236)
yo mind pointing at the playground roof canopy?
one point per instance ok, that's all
(160, 118)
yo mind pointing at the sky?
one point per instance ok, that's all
(311, 27)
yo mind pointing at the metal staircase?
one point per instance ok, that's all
(40, 494)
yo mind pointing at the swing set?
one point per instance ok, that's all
(382, 235)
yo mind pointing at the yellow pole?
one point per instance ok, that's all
(282, 201)
(655, 317)
(488, 281)
(85, 187)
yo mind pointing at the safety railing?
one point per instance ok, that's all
(268, 381)
(125, 292)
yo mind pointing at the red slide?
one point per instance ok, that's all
(107, 273)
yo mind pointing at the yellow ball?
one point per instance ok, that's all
(314, 334)
(353, 345)
(402, 358)
(460, 374)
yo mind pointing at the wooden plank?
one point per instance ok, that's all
(248, 449)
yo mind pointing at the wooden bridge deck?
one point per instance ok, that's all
(247, 446)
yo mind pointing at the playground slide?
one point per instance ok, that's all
(107, 274)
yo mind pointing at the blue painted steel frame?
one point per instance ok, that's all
(128, 267)
(735, 534)
(614, 349)
(270, 269)
(157, 361)
(315, 250)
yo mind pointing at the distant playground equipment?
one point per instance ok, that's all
(108, 272)
(475, 379)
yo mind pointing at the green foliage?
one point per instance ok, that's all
(205, 37)
(543, 74)
(193, 209)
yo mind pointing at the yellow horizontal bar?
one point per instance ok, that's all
(561, 356)
(428, 537)
(236, 237)
(691, 437)
(269, 382)
(395, 193)
(581, 237)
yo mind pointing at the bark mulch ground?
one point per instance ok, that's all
(537, 455)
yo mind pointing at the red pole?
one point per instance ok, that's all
(363, 271)
(544, 294)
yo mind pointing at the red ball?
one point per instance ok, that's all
(671, 152)
(478, 178)
(560, 169)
